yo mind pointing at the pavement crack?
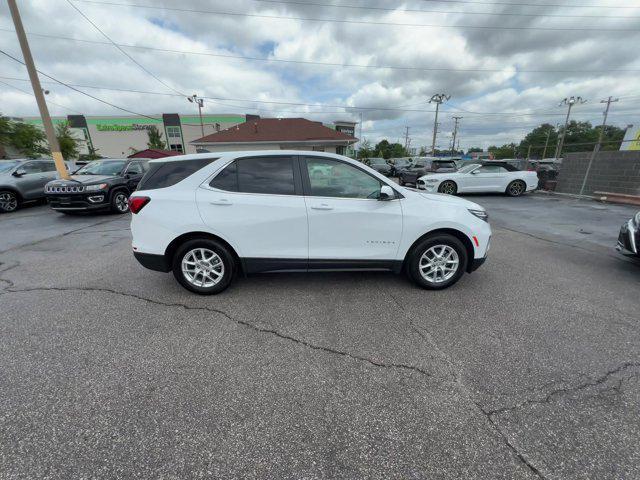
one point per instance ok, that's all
(569, 390)
(243, 323)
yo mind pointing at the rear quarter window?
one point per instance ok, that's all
(166, 174)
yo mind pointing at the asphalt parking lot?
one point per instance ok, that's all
(528, 368)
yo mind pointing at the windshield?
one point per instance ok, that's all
(6, 166)
(102, 167)
(468, 168)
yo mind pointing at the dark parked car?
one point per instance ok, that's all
(380, 165)
(99, 185)
(23, 181)
(423, 167)
(629, 237)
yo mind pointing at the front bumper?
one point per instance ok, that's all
(628, 240)
(79, 201)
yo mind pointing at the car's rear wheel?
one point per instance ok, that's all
(516, 188)
(119, 202)
(437, 262)
(449, 187)
(203, 266)
(8, 201)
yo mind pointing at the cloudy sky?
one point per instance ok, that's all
(506, 64)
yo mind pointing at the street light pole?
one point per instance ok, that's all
(546, 144)
(38, 92)
(570, 102)
(200, 101)
(438, 98)
(597, 146)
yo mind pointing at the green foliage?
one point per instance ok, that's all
(388, 150)
(365, 151)
(155, 138)
(28, 139)
(504, 151)
(68, 144)
(423, 152)
(5, 130)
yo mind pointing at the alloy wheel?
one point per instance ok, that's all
(516, 189)
(8, 201)
(202, 267)
(439, 263)
(448, 187)
(121, 202)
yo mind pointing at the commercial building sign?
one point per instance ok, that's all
(122, 128)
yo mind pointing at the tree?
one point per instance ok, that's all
(365, 150)
(388, 150)
(504, 151)
(28, 139)
(68, 144)
(5, 130)
(423, 152)
(155, 138)
(537, 138)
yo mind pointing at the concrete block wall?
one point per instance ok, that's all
(614, 171)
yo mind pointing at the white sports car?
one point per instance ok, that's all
(486, 177)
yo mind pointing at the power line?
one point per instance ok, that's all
(80, 91)
(564, 5)
(358, 22)
(327, 64)
(146, 70)
(412, 10)
(32, 95)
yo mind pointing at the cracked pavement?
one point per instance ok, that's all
(528, 368)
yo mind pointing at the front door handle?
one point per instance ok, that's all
(322, 206)
(221, 201)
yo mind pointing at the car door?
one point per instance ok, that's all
(133, 174)
(347, 222)
(32, 180)
(257, 205)
(486, 178)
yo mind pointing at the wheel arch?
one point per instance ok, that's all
(466, 241)
(13, 190)
(176, 242)
(449, 180)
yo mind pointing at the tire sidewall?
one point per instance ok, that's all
(438, 239)
(224, 254)
(2, 210)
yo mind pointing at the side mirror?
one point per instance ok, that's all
(19, 172)
(386, 193)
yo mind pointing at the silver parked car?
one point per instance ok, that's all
(23, 181)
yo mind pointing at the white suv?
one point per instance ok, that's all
(207, 217)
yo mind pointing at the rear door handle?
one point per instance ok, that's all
(221, 201)
(322, 206)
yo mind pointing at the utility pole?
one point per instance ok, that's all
(406, 138)
(597, 146)
(570, 102)
(200, 101)
(546, 144)
(438, 98)
(455, 133)
(38, 92)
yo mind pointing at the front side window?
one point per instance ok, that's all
(47, 166)
(270, 175)
(331, 178)
(492, 169)
(32, 167)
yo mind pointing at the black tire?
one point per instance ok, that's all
(449, 187)
(228, 266)
(414, 261)
(401, 181)
(516, 188)
(119, 202)
(9, 201)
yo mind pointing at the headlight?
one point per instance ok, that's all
(95, 188)
(481, 214)
(636, 219)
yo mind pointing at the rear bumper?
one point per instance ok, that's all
(475, 264)
(627, 240)
(157, 263)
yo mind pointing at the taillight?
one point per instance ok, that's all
(136, 203)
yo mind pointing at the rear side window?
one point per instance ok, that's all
(166, 174)
(268, 175)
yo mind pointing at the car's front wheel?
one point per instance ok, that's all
(437, 262)
(448, 187)
(203, 266)
(120, 202)
(8, 201)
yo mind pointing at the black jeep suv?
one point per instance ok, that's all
(99, 185)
